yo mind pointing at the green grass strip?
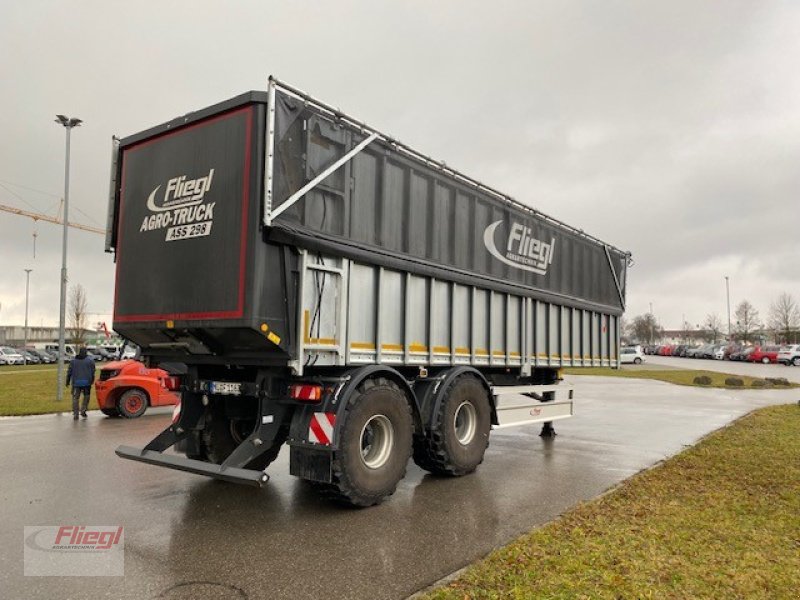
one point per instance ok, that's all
(31, 390)
(720, 520)
(677, 376)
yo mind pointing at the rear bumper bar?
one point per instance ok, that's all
(198, 467)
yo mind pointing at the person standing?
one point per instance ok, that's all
(81, 374)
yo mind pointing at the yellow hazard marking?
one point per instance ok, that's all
(310, 341)
(514, 354)
(362, 346)
(481, 352)
(273, 338)
(462, 350)
(392, 347)
(416, 347)
(441, 349)
(170, 324)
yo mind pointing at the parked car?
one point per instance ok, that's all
(742, 354)
(731, 349)
(112, 350)
(790, 355)
(764, 354)
(97, 354)
(631, 355)
(45, 358)
(126, 388)
(9, 356)
(129, 351)
(29, 357)
(679, 350)
(719, 352)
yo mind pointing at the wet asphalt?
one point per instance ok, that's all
(189, 537)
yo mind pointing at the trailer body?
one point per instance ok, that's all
(271, 240)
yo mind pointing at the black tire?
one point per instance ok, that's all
(441, 452)
(110, 412)
(637, 361)
(133, 403)
(222, 435)
(765, 360)
(796, 361)
(378, 429)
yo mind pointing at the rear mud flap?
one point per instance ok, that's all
(311, 464)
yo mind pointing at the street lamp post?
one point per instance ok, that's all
(68, 124)
(728, 296)
(27, 289)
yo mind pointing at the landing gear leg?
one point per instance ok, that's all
(547, 430)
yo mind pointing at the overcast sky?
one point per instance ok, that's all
(669, 129)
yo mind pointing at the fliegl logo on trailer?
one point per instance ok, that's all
(181, 209)
(521, 249)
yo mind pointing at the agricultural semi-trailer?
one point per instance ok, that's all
(327, 287)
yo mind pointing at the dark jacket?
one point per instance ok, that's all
(81, 370)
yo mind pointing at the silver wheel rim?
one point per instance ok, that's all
(377, 439)
(465, 423)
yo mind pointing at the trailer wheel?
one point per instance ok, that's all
(459, 432)
(222, 435)
(374, 445)
(132, 403)
(110, 412)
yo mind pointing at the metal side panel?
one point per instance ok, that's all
(514, 330)
(480, 327)
(575, 331)
(320, 319)
(604, 340)
(361, 315)
(497, 328)
(461, 324)
(417, 311)
(391, 317)
(514, 408)
(440, 323)
(586, 329)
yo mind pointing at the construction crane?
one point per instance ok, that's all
(49, 219)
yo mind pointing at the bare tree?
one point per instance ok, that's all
(784, 318)
(747, 321)
(77, 313)
(713, 326)
(645, 328)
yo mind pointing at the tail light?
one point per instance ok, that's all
(305, 392)
(172, 383)
(176, 413)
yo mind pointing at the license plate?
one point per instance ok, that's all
(225, 387)
(183, 232)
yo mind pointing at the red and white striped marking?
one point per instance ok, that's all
(320, 428)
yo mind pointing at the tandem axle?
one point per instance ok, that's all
(350, 433)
